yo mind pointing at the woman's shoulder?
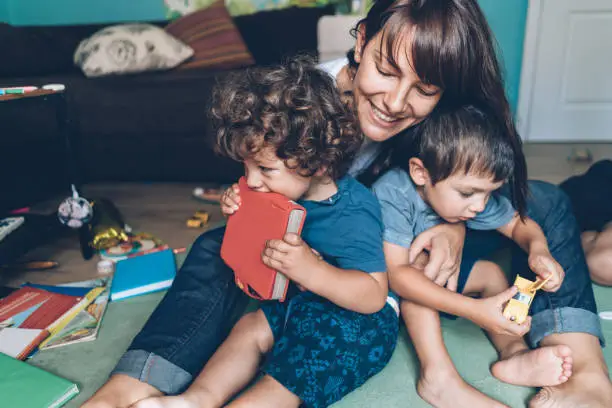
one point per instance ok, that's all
(333, 67)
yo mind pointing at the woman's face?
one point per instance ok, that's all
(389, 99)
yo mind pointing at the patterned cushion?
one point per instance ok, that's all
(129, 48)
(212, 34)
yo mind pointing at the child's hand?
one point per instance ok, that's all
(489, 315)
(230, 200)
(292, 257)
(544, 265)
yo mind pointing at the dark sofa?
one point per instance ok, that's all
(144, 127)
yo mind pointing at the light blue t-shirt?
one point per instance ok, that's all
(406, 215)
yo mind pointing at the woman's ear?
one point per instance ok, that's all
(360, 42)
(418, 172)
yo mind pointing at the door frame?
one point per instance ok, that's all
(528, 67)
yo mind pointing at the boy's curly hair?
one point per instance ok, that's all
(293, 108)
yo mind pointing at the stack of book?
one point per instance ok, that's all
(45, 316)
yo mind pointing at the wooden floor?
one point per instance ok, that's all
(159, 209)
(162, 208)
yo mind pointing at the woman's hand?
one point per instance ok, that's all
(544, 265)
(488, 314)
(292, 257)
(230, 200)
(445, 245)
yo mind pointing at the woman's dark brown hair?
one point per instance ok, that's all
(452, 48)
(294, 108)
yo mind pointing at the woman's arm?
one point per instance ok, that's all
(445, 245)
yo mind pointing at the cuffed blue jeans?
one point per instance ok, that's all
(203, 304)
(572, 308)
(191, 321)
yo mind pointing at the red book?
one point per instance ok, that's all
(52, 306)
(21, 300)
(261, 217)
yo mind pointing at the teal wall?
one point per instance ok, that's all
(507, 19)
(5, 15)
(52, 12)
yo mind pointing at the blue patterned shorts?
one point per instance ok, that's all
(321, 351)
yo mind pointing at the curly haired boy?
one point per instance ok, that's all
(339, 324)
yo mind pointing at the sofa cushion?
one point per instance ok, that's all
(129, 48)
(212, 34)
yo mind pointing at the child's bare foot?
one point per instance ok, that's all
(447, 389)
(546, 366)
(121, 391)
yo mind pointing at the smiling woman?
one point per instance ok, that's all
(411, 58)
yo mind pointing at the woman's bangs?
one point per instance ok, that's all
(440, 53)
(392, 40)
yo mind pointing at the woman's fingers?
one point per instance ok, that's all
(421, 243)
(453, 282)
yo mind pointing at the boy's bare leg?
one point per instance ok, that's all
(598, 250)
(121, 391)
(266, 393)
(228, 371)
(518, 364)
(440, 384)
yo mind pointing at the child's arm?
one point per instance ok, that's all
(411, 284)
(351, 289)
(529, 236)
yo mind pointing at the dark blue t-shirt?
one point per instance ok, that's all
(347, 228)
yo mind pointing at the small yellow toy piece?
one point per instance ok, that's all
(194, 222)
(517, 308)
(203, 215)
(199, 219)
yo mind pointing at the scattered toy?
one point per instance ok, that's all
(517, 308)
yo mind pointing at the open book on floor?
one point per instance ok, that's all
(29, 315)
(261, 217)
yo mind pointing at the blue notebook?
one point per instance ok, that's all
(143, 274)
(64, 290)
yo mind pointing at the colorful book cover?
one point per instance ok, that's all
(142, 274)
(262, 216)
(21, 300)
(84, 327)
(27, 316)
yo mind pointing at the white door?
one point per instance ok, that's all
(566, 80)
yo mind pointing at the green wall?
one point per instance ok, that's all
(507, 19)
(58, 12)
(5, 15)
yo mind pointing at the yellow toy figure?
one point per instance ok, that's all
(517, 308)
